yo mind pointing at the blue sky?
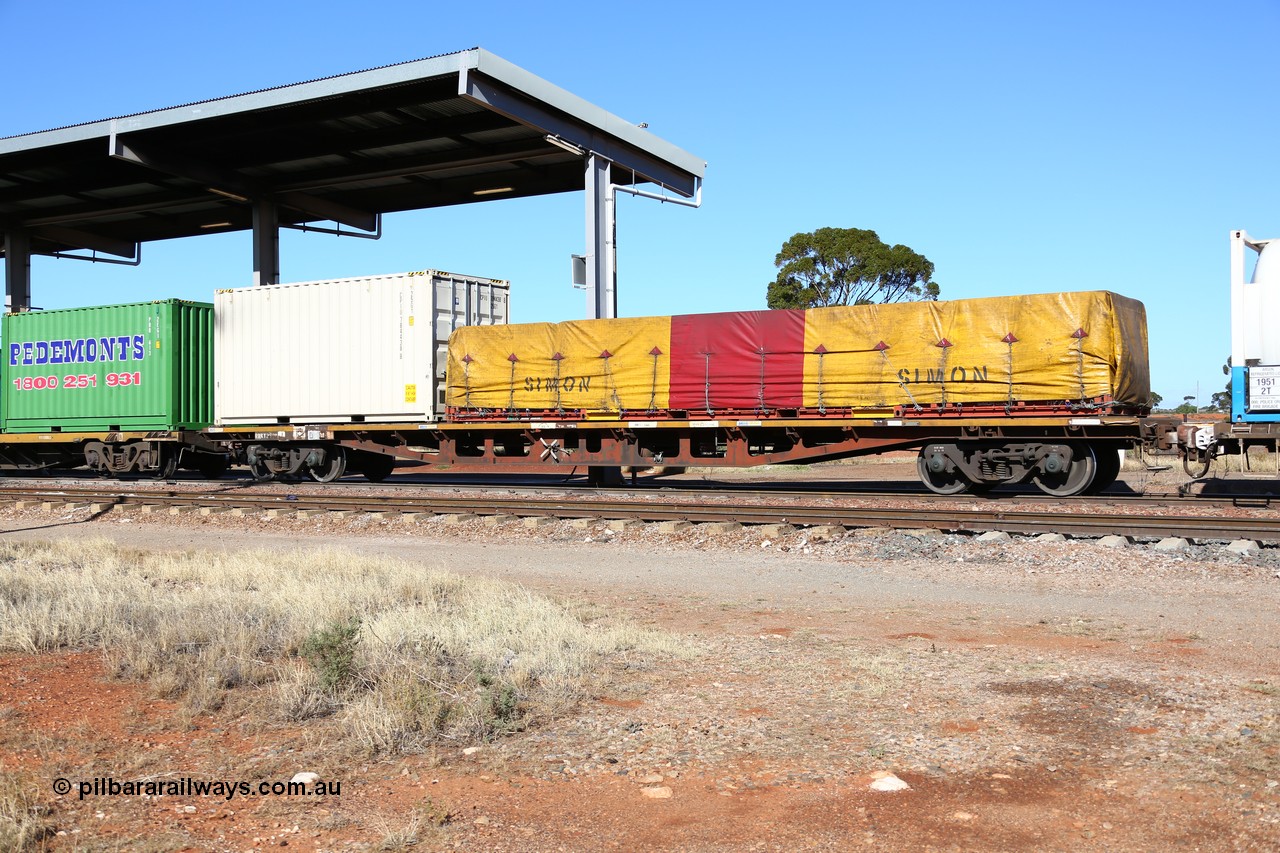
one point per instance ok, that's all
(1022, 147)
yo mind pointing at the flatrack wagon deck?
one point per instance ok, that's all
(1086, 447)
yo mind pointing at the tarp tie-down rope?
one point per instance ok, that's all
(761, 407)
(613, 385)
(1010, 339)
(557, 358)
(821, 352)
(884, 353)
(511, 403)
(653, 387)
(706, 390)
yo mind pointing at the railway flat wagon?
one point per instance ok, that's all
(1054, 353)
(117, 387)
(1043, 388)
(298, 363)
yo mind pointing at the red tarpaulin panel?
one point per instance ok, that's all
(742, 361)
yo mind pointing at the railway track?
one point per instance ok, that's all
(866, 489)
(1083, 519)
(1223, 493)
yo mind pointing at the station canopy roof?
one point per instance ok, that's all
(452, 129)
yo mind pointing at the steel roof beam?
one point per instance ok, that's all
(476, 87)
(236, 186)
(241, 149)
(83, 213)
(169, 197)
(410, 166)
(79, 239)
(25, 190)
(289, 114)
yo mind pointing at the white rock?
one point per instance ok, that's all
(1114, 541)
(306, 777)
(1172, 543)
(1243, 546)
(1051, 537)
(471, 750)
(888, 783)
(994, 536)
(662, 792)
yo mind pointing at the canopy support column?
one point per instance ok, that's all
(266, 243)
(17, 269)
(602, 294)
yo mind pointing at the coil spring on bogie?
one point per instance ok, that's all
(998, 470)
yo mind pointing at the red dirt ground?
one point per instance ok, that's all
(66, 717)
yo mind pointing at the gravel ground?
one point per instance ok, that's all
(1032, 694)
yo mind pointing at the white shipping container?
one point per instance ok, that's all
(352, 350)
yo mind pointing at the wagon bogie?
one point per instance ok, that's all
(321, 461)
(1059, 469)
(157, 459)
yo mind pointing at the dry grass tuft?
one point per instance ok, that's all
(404, 655)
(23, 824)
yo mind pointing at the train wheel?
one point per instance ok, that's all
(260, 472)
(1108, 469)
(940, 482)
(333, 466)
(1072, 476)
(212, 467)
(376, 467)
(166, 464)
(94, 457)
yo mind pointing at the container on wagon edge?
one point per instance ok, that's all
(354, 350)
(140, 366)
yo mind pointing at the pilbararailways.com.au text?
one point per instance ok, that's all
(106, 786)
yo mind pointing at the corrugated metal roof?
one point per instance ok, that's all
(239, 95)
(424, 133)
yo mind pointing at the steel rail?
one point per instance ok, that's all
(971, 518)
(819, 490)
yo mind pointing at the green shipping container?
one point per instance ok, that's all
(144, 366)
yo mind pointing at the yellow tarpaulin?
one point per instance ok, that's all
(1058, 347)
(603, 366)
(1047, 349)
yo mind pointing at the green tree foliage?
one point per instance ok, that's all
(1156, 399)
(1222, 399)
(848, 266)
